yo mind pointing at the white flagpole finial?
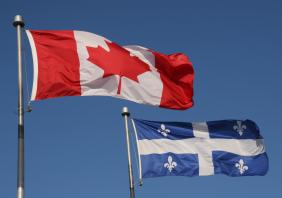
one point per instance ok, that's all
(125, 111)
(18, 20)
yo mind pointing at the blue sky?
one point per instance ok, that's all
(75, 146)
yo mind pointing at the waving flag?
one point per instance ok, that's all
(230, 147)
(77, 63)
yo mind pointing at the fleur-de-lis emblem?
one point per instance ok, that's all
(170, 164)
(241, 166)
(240, 127)
(163, 130)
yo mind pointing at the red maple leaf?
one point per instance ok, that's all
(117, 62)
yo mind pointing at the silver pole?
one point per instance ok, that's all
(125, 113)
(19, 24)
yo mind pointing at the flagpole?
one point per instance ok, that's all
(19, 24)
(125, 113)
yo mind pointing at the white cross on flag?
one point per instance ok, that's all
(77, 63)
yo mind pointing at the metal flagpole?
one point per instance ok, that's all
(125, 113)
(19, 24)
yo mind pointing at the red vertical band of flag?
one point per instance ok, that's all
(58, 64)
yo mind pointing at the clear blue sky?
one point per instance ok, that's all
(75, 146)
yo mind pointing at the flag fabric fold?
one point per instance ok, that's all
(230, 147)
(77, 63)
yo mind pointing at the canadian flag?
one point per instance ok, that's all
(78, 63)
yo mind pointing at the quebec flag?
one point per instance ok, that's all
(230, 147)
